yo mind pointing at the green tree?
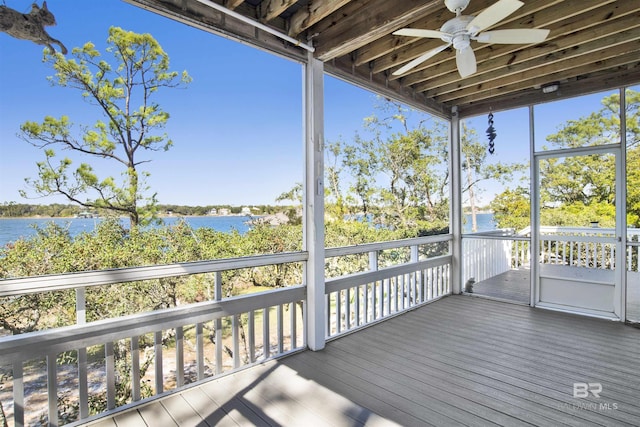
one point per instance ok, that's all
(131, 123)
(579, 190)
(588, 182)
(399, 172)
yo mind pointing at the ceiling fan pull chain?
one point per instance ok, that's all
(491, 134)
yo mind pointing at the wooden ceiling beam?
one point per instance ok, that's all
(270, 9)
(581, 85)
(486, 65)
(315, 11)
(390, 43)
(566, 61)
(232, 4)
(525, 17)
(575, 21)
(617, 61)
(377, 19)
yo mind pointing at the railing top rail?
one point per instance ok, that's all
(378, 246)
(56, 282)
(356, 279)
(51, 341)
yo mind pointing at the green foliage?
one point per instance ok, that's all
(579, 190)
(398, 174)
(138, 70)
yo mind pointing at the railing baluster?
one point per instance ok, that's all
(380, 285)
(135, 369)
(83, 384)
(280, 326)
(235, 336)
(266, 341)
(199, 351)
(110, 366)
(157, 347)
(387, 288)
(347, 308)
(18, 394)
(251, 330)
(217, 343)
(294, 325)
(356, 309)
(338, 312)
(179, 357)
(52, 389)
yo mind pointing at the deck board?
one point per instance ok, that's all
(457, 361)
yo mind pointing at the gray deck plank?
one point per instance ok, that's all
(182, 413)
(154, 414)
(458, 361)
(208, 409)
(104, 422)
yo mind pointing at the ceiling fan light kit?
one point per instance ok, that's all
(462, 29)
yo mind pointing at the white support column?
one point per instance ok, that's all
(455, 192)
(313, 229)
(534, 206)
(621, 213)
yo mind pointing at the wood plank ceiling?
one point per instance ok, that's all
(593, 45)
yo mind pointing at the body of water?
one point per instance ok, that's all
(12, 229)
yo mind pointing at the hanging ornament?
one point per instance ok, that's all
(491, 134)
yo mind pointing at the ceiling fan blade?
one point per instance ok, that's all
(493, 14)
(517, 36)
(420, 59)
(466, 61)
(417, 32)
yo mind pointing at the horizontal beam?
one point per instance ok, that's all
(357, 279)
(57, 282)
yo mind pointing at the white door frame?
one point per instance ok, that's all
(619, 239)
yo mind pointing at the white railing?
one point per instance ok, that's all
(202, 339)
(121, 361)
(488, 254)
(586, 247)
(420, 274)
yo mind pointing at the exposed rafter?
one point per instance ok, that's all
(592, 45)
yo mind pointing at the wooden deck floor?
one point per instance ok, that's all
(512, 285)
(458, 361)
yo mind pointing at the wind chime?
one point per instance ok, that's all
(491, 133)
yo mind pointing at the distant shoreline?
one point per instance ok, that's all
(99, 217)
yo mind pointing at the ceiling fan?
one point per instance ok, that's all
(459, 32)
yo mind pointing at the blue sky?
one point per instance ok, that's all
(237, 129)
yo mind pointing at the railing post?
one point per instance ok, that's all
(313, 230)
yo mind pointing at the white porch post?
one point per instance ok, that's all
(455, 195)
(313, 229)
(621, 212)
(534, 206)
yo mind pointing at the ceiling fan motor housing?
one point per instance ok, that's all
(456, 31)
(456, 6)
